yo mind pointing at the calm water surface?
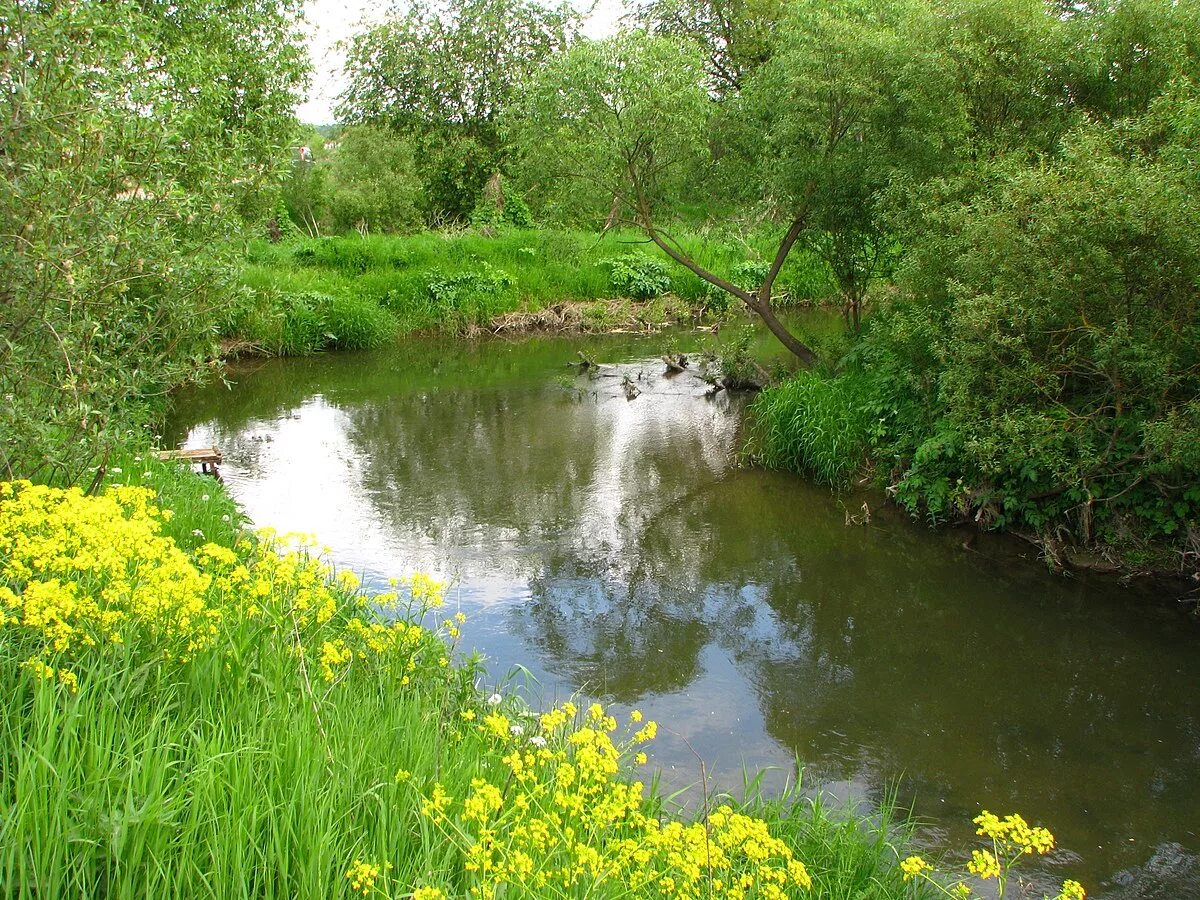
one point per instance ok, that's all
(615, 547)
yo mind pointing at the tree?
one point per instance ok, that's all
(374, 182)
(853, 94)
(1009, 59)
(611, 119)
(734, 35)
(444, 72)
(137, 142)
(1125, 53)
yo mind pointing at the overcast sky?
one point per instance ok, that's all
(330, 21)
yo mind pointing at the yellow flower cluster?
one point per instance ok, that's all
(1012, 838)
(362, 876)
(82, 576)
(565, 820)
(913, 867)
(1015, 832)
(79, 572)
(984, 865)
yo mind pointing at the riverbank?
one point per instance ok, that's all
(351, 292)
(199, 706)
(863, 424)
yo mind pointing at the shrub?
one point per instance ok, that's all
(1047, 341)
(638, 276)
(472, 296)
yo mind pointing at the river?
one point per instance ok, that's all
(617, 548)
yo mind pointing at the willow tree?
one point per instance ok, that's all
(853, 94)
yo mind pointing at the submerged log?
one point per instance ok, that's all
(675, 364)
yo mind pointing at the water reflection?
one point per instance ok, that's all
(615, 546)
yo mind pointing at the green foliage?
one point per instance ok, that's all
(286, 322)
(374, 182)
(474, 277)
(443, 74)
(736, 38)
(368, 182)
(506, 210)
(137, 143)
(1049, 339)
(473, 296)
(816, 424)
(1008, 58)
(1126, 53)
(594, 117)
(637, 276)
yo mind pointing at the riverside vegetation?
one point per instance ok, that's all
(999, 196)
(191, 709)
(355, 292)
(221, 712)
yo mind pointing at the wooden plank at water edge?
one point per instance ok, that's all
(208, 458)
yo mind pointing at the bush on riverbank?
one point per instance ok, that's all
(458, 282)
(227, 714)
(1038, 364)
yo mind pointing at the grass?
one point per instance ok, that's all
(350, 291)
(244, 767)
(814, 423)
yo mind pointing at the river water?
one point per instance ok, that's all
(616, 548)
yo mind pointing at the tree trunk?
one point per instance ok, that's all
(802, 351)
(614, 213)
(759, 302)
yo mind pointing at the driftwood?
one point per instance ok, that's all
(675, 364)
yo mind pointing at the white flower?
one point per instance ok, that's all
(198, 533)
(495, 700)
(518, 730)
(225, 518)
(538, 741)
(116, 470)
(204, 497)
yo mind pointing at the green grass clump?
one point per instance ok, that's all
(816, 424)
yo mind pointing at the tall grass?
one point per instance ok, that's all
(451, 282)
(814, 423)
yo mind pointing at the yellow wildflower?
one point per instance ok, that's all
(362, 876)
(983, 864)
(913, 867)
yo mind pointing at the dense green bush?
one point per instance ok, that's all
(514, 211)
(1043, 363)
(638, 276)
(472, 296)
